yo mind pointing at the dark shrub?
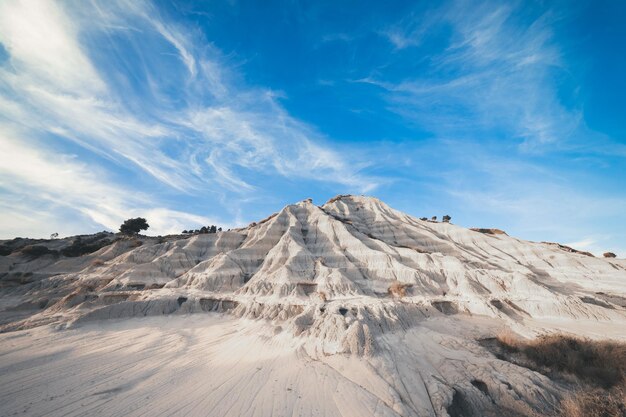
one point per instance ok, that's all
(134, 226)
(5, 250)
(609, 255)
(35, 251)
(80, 247)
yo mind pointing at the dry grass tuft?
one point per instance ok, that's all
(97, 262)
(597, 367)
(398, 289)
(594, 403)
(323, 296)
(509, 340)
(599, 363)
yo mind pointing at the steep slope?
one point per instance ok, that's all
(394, 305)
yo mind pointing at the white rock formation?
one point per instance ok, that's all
(316, 283)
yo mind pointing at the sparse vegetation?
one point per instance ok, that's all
(398, 289)
(508, 340)
(5, 250)
(598, 368)
(36, 251)
(609, 255)
(446, 219)
(17, 244)
(134, 226)
(80, 246)
(204, 230)
(594, 403)
(600, 363)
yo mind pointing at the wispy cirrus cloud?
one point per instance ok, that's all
(41, 182)
(497, 72)
(92, 76)
(249, 122)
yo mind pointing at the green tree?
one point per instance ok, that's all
(133, 226)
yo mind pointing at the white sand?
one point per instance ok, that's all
(197, 365)
(216, 365)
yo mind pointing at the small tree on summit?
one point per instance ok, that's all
(447, 219)
(133, 226)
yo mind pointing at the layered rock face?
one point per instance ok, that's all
(351, 277)
(355, 252)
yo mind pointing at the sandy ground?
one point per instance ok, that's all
(197, 365)
(219, 365)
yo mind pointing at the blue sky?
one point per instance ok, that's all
(501, 114)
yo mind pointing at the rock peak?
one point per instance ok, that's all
(353, 198)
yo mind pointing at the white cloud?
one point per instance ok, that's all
(497, 72)
(178, 42)
(35, 173)
(582, 244)
(401, 40)
(247, 125)
(59, 81)
(42, 42)
(412, 29)
(167, 221)
(254, 141)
